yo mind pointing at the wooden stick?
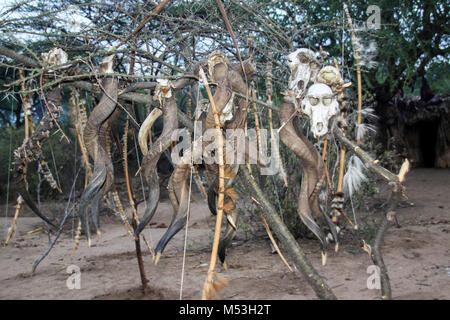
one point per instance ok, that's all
(269, 98)
(131, 197)
(199, 183)
(342, 154)
(233, 37)
(255, 110)
(390, 213)
(130, 192)
(25, 102)
(341, 169)
(358, 67)
(269, 233)
(208, 289)
(12, 229)
(369, 162)
(377, 258)
(122, 212)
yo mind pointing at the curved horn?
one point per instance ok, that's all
(312, 169)
(151, 158)
(96, 137)
(145, 129)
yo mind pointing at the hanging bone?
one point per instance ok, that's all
(304, 68)
(164, 94)
(29, 151)
(227, 76)
(96, 139)
(331, 76)
(55, 57)
(218, 66)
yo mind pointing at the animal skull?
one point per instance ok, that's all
(320, 105)
(330, 76)
(55, 56)
(304, 67)
(214, 58)
(163, 89)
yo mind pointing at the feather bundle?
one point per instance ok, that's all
(362, 129)
(354, 176)
(369, 113)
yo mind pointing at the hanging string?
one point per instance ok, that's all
(186, 233)
(9, 174)
(142, 182)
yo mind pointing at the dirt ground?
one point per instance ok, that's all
(417, 256)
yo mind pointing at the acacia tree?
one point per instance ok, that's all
(185, 32)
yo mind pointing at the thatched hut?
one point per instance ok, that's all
(421, 129)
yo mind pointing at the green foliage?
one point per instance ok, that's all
(437, 76)
(10, 139)
(390, 157)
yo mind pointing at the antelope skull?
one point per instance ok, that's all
(320, 105)
(55, 56)
(163, 89)
(304, 68)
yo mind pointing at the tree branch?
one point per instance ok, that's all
(287, 240)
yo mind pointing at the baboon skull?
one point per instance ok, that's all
(320, 105)
(304, 67)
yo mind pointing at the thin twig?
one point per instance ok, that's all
(58, 233)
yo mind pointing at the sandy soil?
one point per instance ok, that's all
(417, 256)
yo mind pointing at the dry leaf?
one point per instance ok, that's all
(230, 192)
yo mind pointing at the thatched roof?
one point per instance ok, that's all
(410, 111)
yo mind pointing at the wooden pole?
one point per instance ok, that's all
(211, 285)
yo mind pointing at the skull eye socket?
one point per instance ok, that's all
(303, 59)
(326, 100)
(313, 101)
(314, 65)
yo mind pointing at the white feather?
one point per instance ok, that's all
(362, 129)
(369, 112)
(354, 176)
(323, 195)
